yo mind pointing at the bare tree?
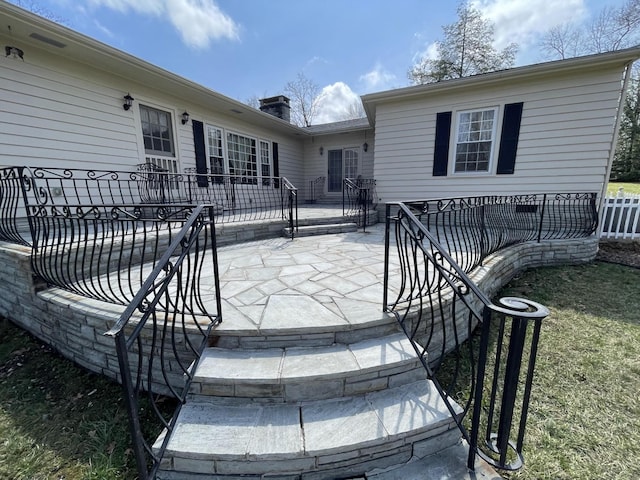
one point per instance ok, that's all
(253, 101)
(612, 29)
(563, 41)
(354, 111)
(305, 96)
(467, 49)
(36, 8)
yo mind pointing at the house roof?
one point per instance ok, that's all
(27, 29)
(345, 126)
(556, 67)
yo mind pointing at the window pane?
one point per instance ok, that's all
(156, 131)
(474, 141)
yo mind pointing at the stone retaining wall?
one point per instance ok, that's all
(75, 325)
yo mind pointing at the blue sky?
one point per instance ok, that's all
(252, 48)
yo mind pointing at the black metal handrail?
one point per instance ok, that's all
(489, 375)
(358, 197)
(471, 228)
(290, 205)
(158, 348)
(316, 189)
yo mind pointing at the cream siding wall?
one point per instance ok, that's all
(564, 143)
(55, 119)
(315, 165)
(59, 113)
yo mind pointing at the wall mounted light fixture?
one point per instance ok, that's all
(185, 117)
(321, 150)
(365, 146)
(15, 51)
(128, 101)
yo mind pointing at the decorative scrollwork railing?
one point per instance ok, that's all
(102, 251)
(471, 228)
(359, 197)
(484, 377)
(12, 185)
(157, 347)
(97, 232)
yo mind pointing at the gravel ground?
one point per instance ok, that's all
(624, 253)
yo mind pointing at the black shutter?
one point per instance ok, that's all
(441, 148)
(509, 138)
(276, 166)
(201, 153)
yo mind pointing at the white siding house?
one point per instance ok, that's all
(535, 129)
(543, 128)
(63, 106)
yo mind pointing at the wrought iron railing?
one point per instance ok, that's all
(484, 377)
(12, 186)
(158, 348)
(235, 198)
(471, 228)
(359, 198)
(290, 205)
(101, 251)
(316, 189)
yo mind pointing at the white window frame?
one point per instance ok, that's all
(458, 139)
(247, 164)
(264, 158)
(263, 152)
(222, 154)
(172, 138)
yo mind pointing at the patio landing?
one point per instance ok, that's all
(307, 378)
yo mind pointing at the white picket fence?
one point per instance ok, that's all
(620, 216)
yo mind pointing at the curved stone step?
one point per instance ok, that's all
(337, 438)
(293, 320)
(312, 373)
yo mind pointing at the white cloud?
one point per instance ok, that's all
(429, 53)
(103, 29)
(197, 21)
(523, 21)
(377, 79)
(336, 103)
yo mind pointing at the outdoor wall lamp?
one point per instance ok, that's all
(365, 146)
(321, 150)
(128, 101)
(185, 117)
(15, 51)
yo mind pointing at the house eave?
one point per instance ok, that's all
(557, 67)
(19, 25)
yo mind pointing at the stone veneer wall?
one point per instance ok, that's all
(75, 325)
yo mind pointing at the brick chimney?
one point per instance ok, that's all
(277, 106)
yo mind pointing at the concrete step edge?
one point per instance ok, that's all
(311, 436)
(298, 374)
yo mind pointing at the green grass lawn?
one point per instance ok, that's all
(628, 187)
(60, 422)
(584, 421)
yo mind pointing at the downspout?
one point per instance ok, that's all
(614, 142)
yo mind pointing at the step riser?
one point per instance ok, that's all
(328, 229)
(307, 338)
(294, 392)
